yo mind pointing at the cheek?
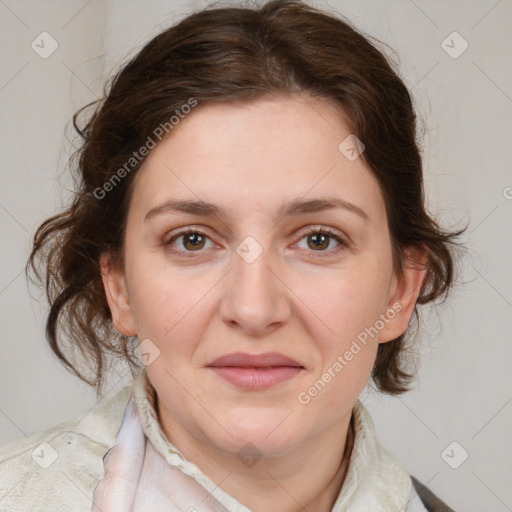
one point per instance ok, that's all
(170, 308)
(345, 304)
(345, 338)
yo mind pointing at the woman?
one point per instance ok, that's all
(250, 236)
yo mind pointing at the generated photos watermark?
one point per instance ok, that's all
(137, 156)
(304, 397)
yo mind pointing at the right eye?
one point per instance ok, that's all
(193, 240)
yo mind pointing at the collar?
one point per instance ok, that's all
(374, 480)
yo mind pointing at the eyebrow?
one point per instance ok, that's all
(292, 208)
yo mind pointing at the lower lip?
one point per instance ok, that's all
(256, 378)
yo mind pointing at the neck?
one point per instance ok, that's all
(309, 477)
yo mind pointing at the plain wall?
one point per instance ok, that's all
(463, 392)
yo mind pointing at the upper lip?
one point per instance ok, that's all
(242, 359)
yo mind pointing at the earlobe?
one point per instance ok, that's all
(404, 291)
(116, 291)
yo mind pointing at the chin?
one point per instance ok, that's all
(254, 447)
(267, 435)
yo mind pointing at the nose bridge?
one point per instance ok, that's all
(255, 297)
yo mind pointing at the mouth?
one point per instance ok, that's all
(255, 372)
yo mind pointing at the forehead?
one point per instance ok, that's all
(256, 156)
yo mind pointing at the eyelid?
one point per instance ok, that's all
(176, 233)
(314, 228)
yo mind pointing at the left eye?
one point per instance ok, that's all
(318, 239)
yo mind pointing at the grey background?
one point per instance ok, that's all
(464, 391)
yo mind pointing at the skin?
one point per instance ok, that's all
(305, 302)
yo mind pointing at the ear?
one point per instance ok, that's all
(118, 299)
(404, 291)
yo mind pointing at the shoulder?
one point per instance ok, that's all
(421, 498)
(59, 468)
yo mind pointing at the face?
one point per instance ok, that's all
(292, 256)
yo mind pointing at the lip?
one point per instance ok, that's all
(242, 359)
(255, 371)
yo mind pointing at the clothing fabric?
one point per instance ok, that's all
(116, 458)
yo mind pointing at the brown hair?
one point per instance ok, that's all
(230, 54)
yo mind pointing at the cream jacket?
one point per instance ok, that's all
(60, 469)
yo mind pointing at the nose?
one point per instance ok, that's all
(255, 299)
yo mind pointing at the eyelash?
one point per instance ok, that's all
(320, 230)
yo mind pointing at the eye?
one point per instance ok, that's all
(319, 238)
(193, 240)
